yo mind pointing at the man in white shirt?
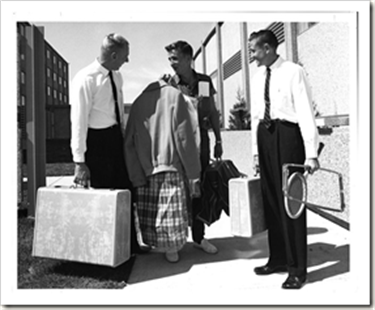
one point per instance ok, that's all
(97, 121)
(284, 131)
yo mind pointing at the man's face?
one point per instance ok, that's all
(258, 52)
(120, 57)
(179, 61)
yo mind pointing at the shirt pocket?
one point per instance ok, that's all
(282, 98)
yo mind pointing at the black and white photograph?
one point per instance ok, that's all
(185, 153)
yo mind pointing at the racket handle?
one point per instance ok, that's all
(320, 148)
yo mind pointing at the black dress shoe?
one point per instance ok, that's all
(294, 282)
(264, 270)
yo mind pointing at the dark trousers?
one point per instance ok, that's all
(198, 225)
(282, 143)
(105, 159)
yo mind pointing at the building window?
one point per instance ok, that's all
(54, 76)
(22, 77)
(60, 80)
(48, 91)
(60, 96)
(23, 100)
(64, 98)
(54, 94)
(22, 30)
(54, 59)
(64, 84)
(22, 56)
(48, 72)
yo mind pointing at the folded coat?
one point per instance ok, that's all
(162, 134)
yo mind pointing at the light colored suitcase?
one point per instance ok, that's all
(83, 225)
(246, 207)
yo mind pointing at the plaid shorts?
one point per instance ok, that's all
(162, 211)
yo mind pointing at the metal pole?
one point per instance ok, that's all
(35, 115)
(290, 32)
(204, 61)
(245, 63)
(220, 73)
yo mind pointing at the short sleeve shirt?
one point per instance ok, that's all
(203, 88)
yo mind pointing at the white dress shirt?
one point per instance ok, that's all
(92, 104)
(290, 99)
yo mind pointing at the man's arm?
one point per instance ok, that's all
(80, 108)
(306, 118)
(214, 118)
(185, 127)
(254, 128)
(215, 123)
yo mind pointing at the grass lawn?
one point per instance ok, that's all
(35, 272)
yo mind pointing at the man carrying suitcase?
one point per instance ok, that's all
(97, 122)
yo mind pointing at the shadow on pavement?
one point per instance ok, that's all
(153, 265)
(322, 253)
(118, 274)
(316, 230)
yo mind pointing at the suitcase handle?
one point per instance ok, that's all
(75, 185)
(219, 159)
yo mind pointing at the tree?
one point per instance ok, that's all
(240, 115)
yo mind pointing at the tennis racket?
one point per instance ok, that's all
(295, 188)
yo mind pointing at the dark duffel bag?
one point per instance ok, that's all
(215, 189)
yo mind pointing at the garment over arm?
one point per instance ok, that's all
(136, 173)
(186, 137)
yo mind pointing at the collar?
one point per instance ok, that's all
(100, 68)
(176, 78)
(277, 63)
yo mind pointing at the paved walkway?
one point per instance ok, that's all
(227, 278)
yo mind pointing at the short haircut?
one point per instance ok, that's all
(181, 46)
(265, 36)
(113, 42)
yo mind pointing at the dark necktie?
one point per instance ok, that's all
(115, 97)
(267, 117)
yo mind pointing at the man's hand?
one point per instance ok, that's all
(256, 165)
(313, 163)
(81, 175)
(165, 77)
(195, 188)
(218, 150)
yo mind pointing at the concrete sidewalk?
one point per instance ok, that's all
(227, 278)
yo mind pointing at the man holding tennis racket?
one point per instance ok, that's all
(284, 132)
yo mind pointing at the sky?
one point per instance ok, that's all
(79, 43)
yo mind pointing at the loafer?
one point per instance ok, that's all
(206, 246)
(294, 282)
(265, 270)
(172, 256)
